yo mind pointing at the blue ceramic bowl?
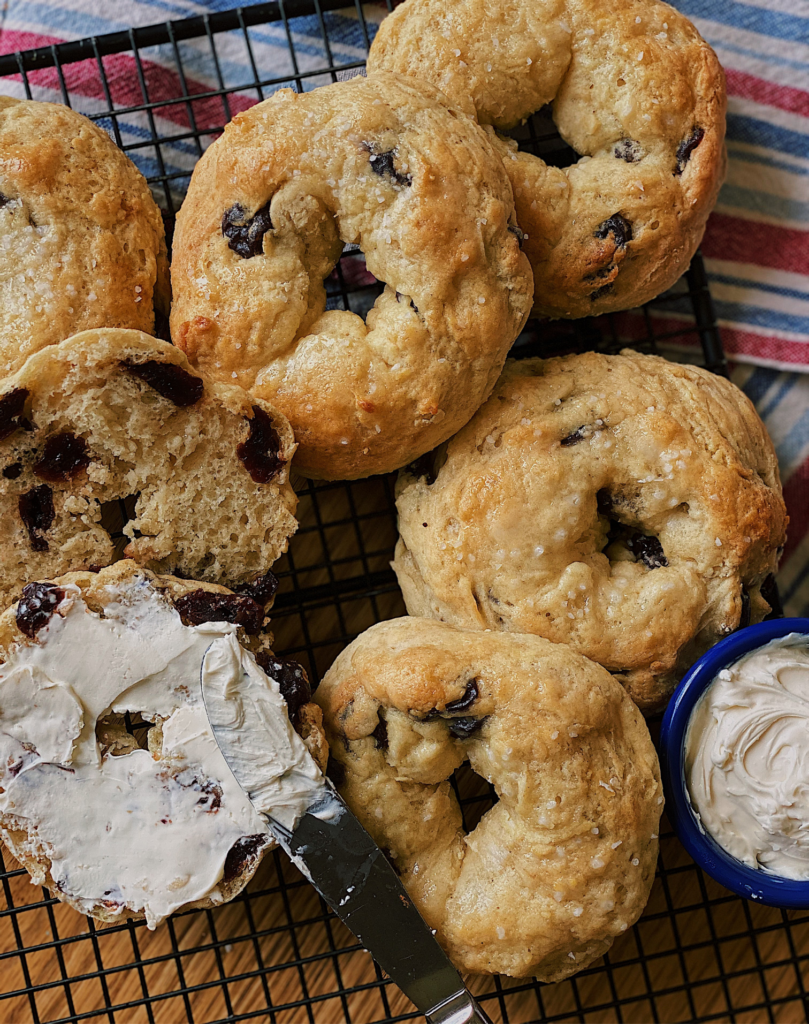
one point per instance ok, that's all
(751, 883)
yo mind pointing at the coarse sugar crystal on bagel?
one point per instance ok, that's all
(113, 790)
(564, 861)
(83, 244)
(636, 92)
(113, 417)
(381, 162)
(625, 505)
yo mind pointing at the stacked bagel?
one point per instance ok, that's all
(573, 532)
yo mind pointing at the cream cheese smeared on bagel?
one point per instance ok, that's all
(126, 830)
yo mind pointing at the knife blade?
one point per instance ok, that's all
(330, 846)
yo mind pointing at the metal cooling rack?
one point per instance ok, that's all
(277, 953)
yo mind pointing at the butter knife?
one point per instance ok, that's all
(329, 845)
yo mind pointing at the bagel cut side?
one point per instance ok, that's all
(157, 738)
(636, 92)
(110, 417)
(564, 861)
(625, 505)
(83, 244)
(382, 163)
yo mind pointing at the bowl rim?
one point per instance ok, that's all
(750, 883)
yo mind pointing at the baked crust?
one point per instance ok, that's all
(198, 511)
(83, 239)
(565, 860)
(24, 846)
(553, 506)
(632, 85)
(269, 207)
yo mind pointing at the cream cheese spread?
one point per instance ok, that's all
(249, 718)
(747, 758)
(132, 830)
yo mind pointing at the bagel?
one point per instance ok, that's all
(83, 239)
(636, 92)
(565, 860)
(116, 823)
(110, 415)
(380, 162)
(625, 505)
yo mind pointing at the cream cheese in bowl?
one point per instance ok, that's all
(747, 758)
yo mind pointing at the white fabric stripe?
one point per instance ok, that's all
(766, 46)
(736, 148)
(763, 300)
(770, 180)
(759, 217)
(772, 115)
(798, 8)
(759, 274)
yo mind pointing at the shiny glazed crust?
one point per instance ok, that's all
(83, 240)
(433, 222)
(546, 506)
(199, 510)
(636, 92)
(565, 860)
(93, 587)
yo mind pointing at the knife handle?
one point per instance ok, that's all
(460, 1008)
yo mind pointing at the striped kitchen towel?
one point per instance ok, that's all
(757, 243)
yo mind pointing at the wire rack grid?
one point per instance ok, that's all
(277, 953)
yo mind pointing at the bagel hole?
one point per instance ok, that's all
(539, 136)
(475, 795)
(118, 735)
(351, 285)
(115, 515)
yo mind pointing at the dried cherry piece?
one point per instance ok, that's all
(246, 237)
(262, 589)
(65, 456)
(167, 379)
(11, 409)
(648, 549)
(382, 164)
(464, 703)
(292, 682)
(243, 851)
(578, 434)
(617, 226)
(629, 150)
(260, 453)
(204, 606)
(380, 734)
(37, 513)
(687, 147)
(464, 727)
(13, 471)
(36, 606)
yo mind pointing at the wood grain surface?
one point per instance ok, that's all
(276, 955)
